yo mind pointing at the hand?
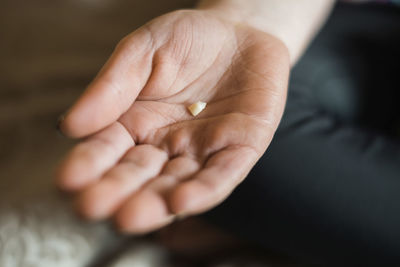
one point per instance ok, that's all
(147, 159)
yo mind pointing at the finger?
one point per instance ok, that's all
(114, 89)
(91, 158)
(139, 165)
(137, 215)
(222, 173)
(143, 213)
(181, 167)
(206, 136)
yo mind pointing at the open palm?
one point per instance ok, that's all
(145, 158)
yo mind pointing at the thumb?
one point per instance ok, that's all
(114, 89)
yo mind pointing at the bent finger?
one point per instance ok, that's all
(141, 164)
(149, 209)
(222, 173)
(91, 158)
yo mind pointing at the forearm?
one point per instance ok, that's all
(292, 21)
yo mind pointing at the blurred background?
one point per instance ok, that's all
(49, 51)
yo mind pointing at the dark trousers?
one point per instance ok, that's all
(328, 188)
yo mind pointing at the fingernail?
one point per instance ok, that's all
(59, 122)
(181, 216)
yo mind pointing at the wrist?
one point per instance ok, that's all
(294, 22)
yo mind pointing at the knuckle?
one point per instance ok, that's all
(178, 141)
(124, 42)
(145, 155)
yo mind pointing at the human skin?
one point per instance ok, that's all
(145, 160)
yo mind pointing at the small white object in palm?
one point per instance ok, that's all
(197, 107)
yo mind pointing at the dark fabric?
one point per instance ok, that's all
(328, 188)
